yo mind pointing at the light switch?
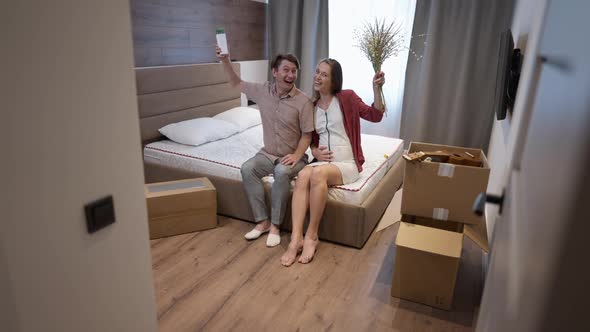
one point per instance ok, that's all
(99, 214)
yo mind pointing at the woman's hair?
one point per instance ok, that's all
(276, 62)
(335, 75)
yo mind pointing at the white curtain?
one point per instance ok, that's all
(344, 17)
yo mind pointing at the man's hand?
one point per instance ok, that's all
(221, 57)
(322, 153)
(291, 159)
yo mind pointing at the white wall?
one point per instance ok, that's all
(70, 117)
(253, 71)
(525, 14)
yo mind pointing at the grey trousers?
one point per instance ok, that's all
(259, 166)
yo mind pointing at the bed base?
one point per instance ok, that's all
(342, 223)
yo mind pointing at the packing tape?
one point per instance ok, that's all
(447, 170)
(440, 214)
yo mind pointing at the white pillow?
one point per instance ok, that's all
(198, 131)
(242, 117)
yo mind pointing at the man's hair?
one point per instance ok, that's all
(335, 78)
(276, 62)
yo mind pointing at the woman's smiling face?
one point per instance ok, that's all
(322, 80)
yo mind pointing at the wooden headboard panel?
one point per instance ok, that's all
(176, 93)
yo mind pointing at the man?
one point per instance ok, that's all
(287, 123)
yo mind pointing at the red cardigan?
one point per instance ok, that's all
(353, 109)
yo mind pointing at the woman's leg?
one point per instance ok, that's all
(299, 205)
(321, 178)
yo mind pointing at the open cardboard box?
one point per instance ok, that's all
(443, 191)
(181, 206)
(427, 258)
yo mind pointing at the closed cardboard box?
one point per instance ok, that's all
(443, 191)
(182, 206)
(427, 259)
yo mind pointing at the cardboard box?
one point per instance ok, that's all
(182, 206)
(443, 191)
(427, 259)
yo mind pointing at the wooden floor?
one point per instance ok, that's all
(217, 281)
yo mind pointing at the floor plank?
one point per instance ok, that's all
(216, 281)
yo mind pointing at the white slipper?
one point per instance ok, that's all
(254, 234)
(273, 240)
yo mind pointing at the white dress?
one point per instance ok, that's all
(329, 124)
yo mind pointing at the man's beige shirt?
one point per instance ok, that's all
(283, 118)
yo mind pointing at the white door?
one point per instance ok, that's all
(69, 113)
(536, 267)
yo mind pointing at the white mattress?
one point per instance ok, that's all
(223, 158)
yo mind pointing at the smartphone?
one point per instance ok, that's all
(221, 40)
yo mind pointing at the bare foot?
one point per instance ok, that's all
(293, 249)
(309, 249)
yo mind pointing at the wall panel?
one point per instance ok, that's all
(170, 32)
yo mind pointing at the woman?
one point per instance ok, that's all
(336, 145)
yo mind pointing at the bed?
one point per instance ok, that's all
(176, 93)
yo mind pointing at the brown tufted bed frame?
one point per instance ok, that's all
(176, 93)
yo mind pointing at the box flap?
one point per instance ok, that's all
(478, 233)
(436, 241)
(176, 187)
(421, 146)
(450, 226)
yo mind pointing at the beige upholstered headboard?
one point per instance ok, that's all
(175, 93)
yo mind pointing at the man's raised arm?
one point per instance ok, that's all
(234, 78)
